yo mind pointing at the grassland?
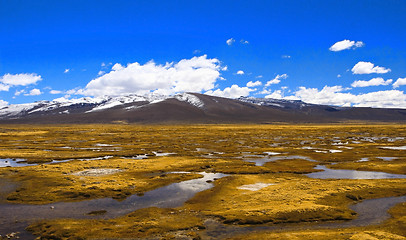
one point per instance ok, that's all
(289, 197)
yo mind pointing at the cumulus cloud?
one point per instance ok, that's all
(276, 80)
(231, 92)
(3, 103)
(254, 84)
(34, 92)
(335, 95)
(66, 70)
(399, 82)
(188, 75)
(345, 44)
(367, 68)
(277, 94)
(373, 82)
(240, 72)
(19, 92)
(22, 79)
(230, 41)
(55, 92)
(101, 73)
(4, 87)
(242, 41)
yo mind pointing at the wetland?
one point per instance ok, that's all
(203, 181)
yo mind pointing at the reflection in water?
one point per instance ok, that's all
(387, 158)
(261, 161)
(173, 195)
(395, 148)
(10, 162)
(369, 212)
(350, 174)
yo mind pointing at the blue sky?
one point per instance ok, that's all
(53, 49)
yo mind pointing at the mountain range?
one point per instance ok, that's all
(188, 108)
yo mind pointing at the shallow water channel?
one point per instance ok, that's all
(15, 217)
(350, 174)
(369, 212)
(261, 160)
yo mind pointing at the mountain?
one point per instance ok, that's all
(189, 108)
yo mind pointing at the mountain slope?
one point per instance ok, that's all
(188, 108)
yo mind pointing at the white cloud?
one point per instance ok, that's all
(286, 56)
(22, 79)
(66, 70)
(259, 76)
(225, 68)
(334, 95)
(197, 51)
(101, 73)
(230, 41)
(276, 80)
(240, 72)
(231, 92)
(3, 103)
(277, 94)
(399, 82)
(373, 82)
(4, 87)
(55, 92)
(244, 41)
(338, 75)
(103, 64)
(265, 91)
(345, 44)
(368, 67)
(18, 93)
(254, 84)
(34, 92)
(188, 75)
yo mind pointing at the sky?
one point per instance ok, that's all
(343, 53)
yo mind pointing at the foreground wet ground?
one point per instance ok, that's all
(206, 181)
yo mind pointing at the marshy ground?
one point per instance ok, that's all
(261, 184)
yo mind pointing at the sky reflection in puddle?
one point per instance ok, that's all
(350, 174)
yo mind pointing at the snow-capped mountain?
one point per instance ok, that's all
(88, 104)
(187, 108)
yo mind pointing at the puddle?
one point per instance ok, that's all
(138, 157)
(103, 145)
(395, 148)
(173, 195)
(369, 212)
(262, 160)
(350, 174)
(162, 154)
(11, 162)
(387, 158)
(272, 153)
(365, 159)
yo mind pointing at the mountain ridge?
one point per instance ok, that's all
(189, 108)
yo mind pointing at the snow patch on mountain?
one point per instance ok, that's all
(191, 99)
(281, 103)
(120, 100)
